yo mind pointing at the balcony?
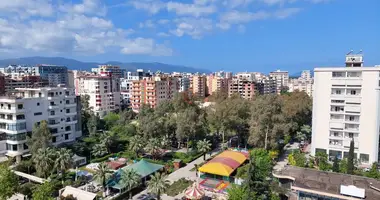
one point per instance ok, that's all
(70, 105)
(52, 107)
(70, 113)
(53, 124)
(74, 121)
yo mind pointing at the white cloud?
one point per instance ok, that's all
(236, 3)
(223, 26)
(241, 29)
(145, 46)
(284, 13)
(152, 6)
(27, 8)
(163, 21)
(190, 9)
(194, 27)
(82, 22)
(147, 24)
(162, 34)
(236, 17)
(93, 7)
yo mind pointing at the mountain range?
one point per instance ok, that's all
(79, 65)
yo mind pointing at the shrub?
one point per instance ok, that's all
(178, 187)
(27, 189)
(25, 166)
(104, 158)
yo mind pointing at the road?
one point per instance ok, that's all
(283, 160)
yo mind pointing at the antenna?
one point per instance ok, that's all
(361, 51)
(350, 52)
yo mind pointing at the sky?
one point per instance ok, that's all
(230, 35)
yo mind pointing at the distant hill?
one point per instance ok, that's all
(75, 64)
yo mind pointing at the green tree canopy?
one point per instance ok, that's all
(41, 137)
(44, 192)
(9, 182)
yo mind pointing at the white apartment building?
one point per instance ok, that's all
(183, 83)
(21, 111)
(346, 106)
(103, 90)
(282, 79)
(303, 83)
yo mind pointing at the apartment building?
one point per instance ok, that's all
(244, 87)
(20, 111)
(113, 69)
(215, 84)
(53, 74)
(2, 84)
(11, 84)
(199, 85)
(152, 90)
(303, 83)
(183, 83)
(282, 79)
(267, 85)
(346, 106)
(103, 90)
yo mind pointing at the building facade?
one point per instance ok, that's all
(152, 90)
(245, 88)
(346, 107)
(267, 85)
(54, 74)
(103, 91)
(21, 111)
(303, 83)
(282, 79)
(2, 84)
(215, 84)
(198, 86)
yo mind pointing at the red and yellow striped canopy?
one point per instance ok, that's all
(225, 163)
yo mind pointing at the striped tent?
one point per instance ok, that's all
(194, 192)
(225, 163)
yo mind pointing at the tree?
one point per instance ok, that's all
(335, 166)
(102, 174)
(256, 185)
(129, 179)
(136, 144)
(296, 158)
(44, 161)
(93, 124)
(85, 112)
(350, 159)
(63, 161)
(111, 119)
(157, 184)
(321, 159)
(343, 166)
(44, 192)
(373, 172)
(267, 125)
(236, 192)
(99, 150)
(204, 146)
(107, 140)
(153, 147)
(68, 197)
(9, 182)
(126, 117)
(41, 137)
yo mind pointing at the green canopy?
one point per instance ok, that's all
(144, 168)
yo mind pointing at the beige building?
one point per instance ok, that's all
(199, 85)
(215, 84)
(303, 83)
(282, 79)
(245, 88)
(103, 90)
(152, 90)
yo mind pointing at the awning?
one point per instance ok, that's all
(144, 168)
(225, 163)
(78, 193)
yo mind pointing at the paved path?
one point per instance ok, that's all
(283, 160)
(183, 172)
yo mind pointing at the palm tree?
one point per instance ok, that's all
(129, 179)
(99, 150)
(63, 161)
(157, 184)
(153, 147)
(136, 143)
(204, 146)
(102, 174)
(44, 161)
(107, 140)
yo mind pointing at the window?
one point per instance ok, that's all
(60, 92)
(54, 139)
(14, 147)
(68, 128)
(67, 110)
(52, 103)
(66, 136)
(338, 92)
(53, 130)
(52, 112)
(364, 158)
(353, 92)
(39, 94)
(67, 102)
(25, 146)
(38, 104)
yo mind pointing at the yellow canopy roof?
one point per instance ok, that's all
(216, 168)
(238, 156)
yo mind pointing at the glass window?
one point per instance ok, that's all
(364, 158)
(20, 106)
(66, 136)
(39, 113)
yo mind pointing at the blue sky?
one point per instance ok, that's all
(232, 35)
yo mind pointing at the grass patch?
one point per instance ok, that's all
(178, 187)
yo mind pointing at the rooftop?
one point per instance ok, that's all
(328, 182)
